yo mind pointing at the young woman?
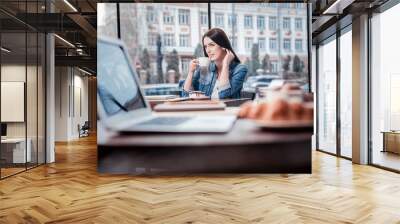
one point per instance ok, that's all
(225, 74)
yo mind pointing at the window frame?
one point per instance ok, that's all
(248, 21)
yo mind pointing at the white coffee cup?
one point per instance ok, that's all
(203, 61)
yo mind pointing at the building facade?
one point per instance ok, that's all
(279, 30)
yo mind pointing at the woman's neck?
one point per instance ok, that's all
(218, 64)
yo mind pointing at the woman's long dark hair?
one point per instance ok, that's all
(219, 37)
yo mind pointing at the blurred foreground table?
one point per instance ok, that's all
(228, 102)
(245, 149)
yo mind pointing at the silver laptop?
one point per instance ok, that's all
(122, 107)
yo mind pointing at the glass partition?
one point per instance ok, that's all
(31, 98)
(14, 152)
(22, 91)
(41, 97)
(385, 89)
(327, 96)
(346, 94)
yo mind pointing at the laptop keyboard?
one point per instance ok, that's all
(165, 121)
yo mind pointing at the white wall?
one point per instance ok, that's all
(14, 73)
(33, 126)
(62, 81)
(71, 94)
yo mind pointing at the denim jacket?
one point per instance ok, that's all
(205, 83)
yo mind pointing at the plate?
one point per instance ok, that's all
(285, 125)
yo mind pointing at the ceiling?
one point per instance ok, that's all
(75, 22)
(329, 16)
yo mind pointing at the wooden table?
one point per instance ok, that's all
(245, 149)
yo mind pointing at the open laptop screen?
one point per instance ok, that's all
(116, 85)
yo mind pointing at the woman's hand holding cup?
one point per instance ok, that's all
(193, 65)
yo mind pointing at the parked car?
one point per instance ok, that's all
(161, 89)
(253, 82)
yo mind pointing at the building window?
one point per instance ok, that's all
(274, 66)
(232, 20)
(298, 45)
(261, 44)
(152, 39)
(168, 19)
(286, 5)
(248, 43)
(184, 40)
(272, 5)
(298, 24)
(261, 22)
(248, 22)
(151, 16)
(286, 44)
(185, 65)
(169, 40)
(203, 18)
(184, 15)
(286, 23)
(272, 23)
(272, 44)
(298, 5)
(219, 19)
(233, 41)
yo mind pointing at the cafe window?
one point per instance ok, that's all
(107, 23)
(248, 22)
(184, 15)
(272, 23)
(261, 22)
(180, 38)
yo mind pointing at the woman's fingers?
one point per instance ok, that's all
(195, 61)
(230, 53)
